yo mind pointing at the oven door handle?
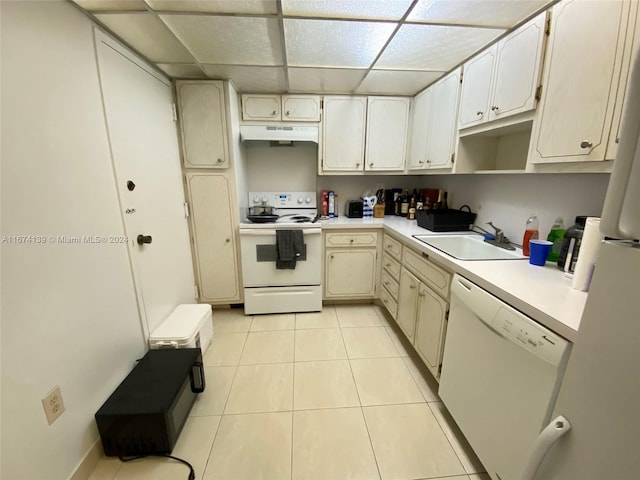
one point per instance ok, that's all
(260, 232)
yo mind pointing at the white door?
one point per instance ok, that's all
(476, 88)
(386, 140)
(144, 145)
(350, 272)
(420, 130)
(430, 328)
(343, 127)
(518, 70)
(581, 72)
(444, 121)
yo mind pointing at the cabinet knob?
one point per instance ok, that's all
(331, 257)
(412, 286)
(421, 294)
(479, 113)
(586, 144)
(494, 109)
(274, 113)
(287, 113)
(219, 160)
(357, 164)
(425, 255)
(428, 161)
(386, 283)
(385, 300)
(371, 164)
(227, 240)
(387, 264)
(421, 162)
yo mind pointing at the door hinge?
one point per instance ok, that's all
(453, 158)
(446, 316)
(186, 209)
(461, 76)
(196, 293)
(174, 112)
(538, 93)
(547, 29)
(439, 370)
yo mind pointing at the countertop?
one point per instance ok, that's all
(542, 293)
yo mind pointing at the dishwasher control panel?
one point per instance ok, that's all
(529, 335)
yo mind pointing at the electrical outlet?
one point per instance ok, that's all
(53, 404)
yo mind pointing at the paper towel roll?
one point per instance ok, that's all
(591, 240)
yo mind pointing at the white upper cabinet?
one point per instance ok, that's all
(476, 88)
(502, 80)
(343, 130)
(386, 138)
(421, 111)
(442, 136)
(583, 67)
(261, 107)
(517, 70)
(204, 125)
(286, 108)
(301, 108)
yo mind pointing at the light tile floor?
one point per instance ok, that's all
(329, 396)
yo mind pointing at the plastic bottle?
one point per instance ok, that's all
(530, 232)
(571, 245)
(556, 234)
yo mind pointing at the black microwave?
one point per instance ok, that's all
(147, 411)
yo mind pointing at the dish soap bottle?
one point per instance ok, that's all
(556, 234)
(530, 233)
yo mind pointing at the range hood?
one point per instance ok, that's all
(279, 133)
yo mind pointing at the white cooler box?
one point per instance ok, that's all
(188, 326)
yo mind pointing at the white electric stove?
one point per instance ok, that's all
(268, 289)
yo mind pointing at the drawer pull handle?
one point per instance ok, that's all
(385, 300)
(425, 255)
(387, 264)
(386, 283)
(412, 287)
(351, 240)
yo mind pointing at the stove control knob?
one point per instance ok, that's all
(264, 199)
(256, 199)
(300, 199)
(307, 200)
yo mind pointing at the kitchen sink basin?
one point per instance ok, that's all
(469, 247)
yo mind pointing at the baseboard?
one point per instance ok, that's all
(89, 462)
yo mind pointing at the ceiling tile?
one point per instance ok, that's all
(112, 5)
(324, 80)
(148, 35)
(427, 47)
(498, 13)
(364, 9)
(182, 70)
(394, 82)
(250, 79)
(229, 40)
(315, 43)
(257, 7)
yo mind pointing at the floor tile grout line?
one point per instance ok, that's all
(215, 436)
(448, 440)
(373, 450)
(293, 397)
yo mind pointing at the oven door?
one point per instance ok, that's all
(258, 247)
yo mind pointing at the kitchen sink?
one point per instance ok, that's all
(469, 247)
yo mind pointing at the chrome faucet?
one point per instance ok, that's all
(500, 240)
(499, 233)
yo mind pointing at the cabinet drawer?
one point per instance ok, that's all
(390, 284)
(391, 265)
(437, 278)
(393, 247)
(389, 303)
(357, 239)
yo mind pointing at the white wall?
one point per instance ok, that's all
(282, 168)
(507, 200)
(69, 315)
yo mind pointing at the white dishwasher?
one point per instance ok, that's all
(500, 377)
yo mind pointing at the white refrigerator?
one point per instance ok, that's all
(595, 434)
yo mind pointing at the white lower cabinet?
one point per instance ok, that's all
(350, 265)
(422, 308)
(211, 197)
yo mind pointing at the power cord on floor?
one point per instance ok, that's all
(192, 473)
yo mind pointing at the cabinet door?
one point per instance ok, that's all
(579, 84)
(476, 88)
(517, 70)
(203, 124)
(213, 229)
(261, 107)
(443, 122)
(430, 328)
(343, 133)
(350, 273)
(408, 303)
(387, 124)
(420, 130)
(301, 108)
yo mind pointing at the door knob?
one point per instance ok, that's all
(142, 239)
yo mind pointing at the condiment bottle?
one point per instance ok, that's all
(404, 206)
(571, 245)
(556, 234)
(530, 233)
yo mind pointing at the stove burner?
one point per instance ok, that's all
(300, 219)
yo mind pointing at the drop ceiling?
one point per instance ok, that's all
(386, 47)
